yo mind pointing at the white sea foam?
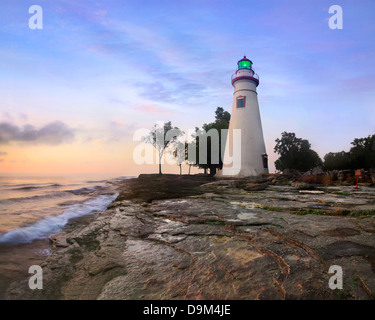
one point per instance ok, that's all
(52, 224)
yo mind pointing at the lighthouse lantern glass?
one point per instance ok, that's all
(244, 64)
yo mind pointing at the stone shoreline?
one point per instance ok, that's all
(194, 237)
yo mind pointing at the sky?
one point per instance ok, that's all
(74, 93)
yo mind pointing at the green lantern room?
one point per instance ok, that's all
(245, 64)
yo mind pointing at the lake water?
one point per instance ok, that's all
(34, 208)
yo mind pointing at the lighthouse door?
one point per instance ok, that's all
(265, 161)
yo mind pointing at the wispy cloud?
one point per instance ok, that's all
(118, 131)
(114, 131)
(106, 66)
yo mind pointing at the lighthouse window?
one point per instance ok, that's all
(241, 102)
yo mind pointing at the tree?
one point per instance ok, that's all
(360, 156)
(180, 154)
(190, 145)
(363, 153)
(337, 161)
(221, 122)
(221, 115)
(295, 153)
(192, 150)
(161, 137)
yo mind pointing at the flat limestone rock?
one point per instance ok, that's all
(226, 243)
(311, 191)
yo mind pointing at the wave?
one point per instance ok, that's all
(27, 187)
(50, 225)
(55, 194)
(86, 190)
(36, 197)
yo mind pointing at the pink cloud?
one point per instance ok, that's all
(360, 83)
(101, 13)
(117, 123)
(150, 108)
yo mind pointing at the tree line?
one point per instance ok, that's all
(180, 149)
(294, 153)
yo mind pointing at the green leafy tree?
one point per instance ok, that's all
(221, 115)
(360, 156)
(337, 161)
(295, 153)
(221, 122)
(362, 153)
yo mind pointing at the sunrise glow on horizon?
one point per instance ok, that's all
(74, 92)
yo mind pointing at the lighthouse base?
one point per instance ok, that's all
(240, 173)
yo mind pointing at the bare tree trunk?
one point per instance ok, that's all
(212, 171)
(189, 168)
(160, 156)
(180, 168)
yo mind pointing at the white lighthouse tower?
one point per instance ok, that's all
(252, 159)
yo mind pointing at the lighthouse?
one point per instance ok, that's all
(249, 158)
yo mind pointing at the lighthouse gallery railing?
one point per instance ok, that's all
(255, 76)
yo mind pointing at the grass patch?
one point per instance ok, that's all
(270, 208)
(358, 213)
(355, 281)
(147, 188)
(220, 223)
(309, 211)
(342, 193)
(217, 222)
(338, 212)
